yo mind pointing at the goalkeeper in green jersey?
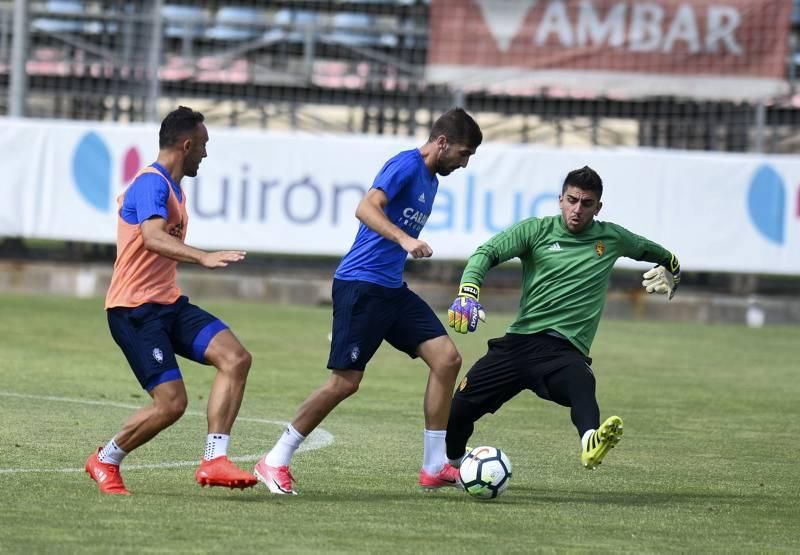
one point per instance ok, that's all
(566, 262)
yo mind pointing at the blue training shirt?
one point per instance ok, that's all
(147, 196)
(410, 189)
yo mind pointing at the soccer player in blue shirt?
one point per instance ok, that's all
(372, 303)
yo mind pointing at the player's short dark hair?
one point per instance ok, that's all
(177, 125)
(458, 127)
(584, 178)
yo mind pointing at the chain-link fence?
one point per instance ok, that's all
(665, 73)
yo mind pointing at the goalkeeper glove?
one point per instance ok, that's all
(662, 280)
(465, 312)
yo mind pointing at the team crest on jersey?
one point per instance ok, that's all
(355, 353)
(463, 385)
(599, 248)
(158, 355)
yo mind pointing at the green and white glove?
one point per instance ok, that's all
(662, 280)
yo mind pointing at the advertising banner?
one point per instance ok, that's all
(297, 193)
(697, 48)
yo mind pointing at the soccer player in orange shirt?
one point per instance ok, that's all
(152, 322)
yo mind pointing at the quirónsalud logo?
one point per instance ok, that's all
(766, 204)
(92, 166)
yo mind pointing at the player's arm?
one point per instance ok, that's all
(665, 276)
(157, 239)
(513, 242)
(371, 211)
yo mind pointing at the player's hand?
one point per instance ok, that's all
(416, 248)
(220, 259)
(465, 312)
(662, 281)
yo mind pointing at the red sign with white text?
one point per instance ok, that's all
(478, 43)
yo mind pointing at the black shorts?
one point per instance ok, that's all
(152, 334)
(364, 314)
(515, 362)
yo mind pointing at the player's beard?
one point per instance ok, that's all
(191, 170)
(442, 168)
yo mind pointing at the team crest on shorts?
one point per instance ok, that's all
(463, 384)
(355, 353)
(158, 355)
(599, 248)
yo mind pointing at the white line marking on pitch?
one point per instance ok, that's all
(318, 439)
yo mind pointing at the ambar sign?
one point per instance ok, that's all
(740, 37)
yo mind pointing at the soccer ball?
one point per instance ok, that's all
(485, 472)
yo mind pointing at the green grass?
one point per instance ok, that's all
(709, 460)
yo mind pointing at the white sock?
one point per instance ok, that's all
(585, 439)
(433, 451)
(111, 453)
(457, 462)
(282, 452)
(216, 446)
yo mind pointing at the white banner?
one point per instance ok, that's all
(297, 193)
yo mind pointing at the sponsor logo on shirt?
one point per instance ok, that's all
(421, 197)
(413, 218)
(554, 247)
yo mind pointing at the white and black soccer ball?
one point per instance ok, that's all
(485, 472)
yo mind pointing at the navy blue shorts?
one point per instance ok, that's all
(152, 334)
(364, 314)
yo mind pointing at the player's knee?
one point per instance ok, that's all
(345, 389)
(448, 365)
(454, 362)
(343, 386)
(172, 409)
(243, 361)
(237, 362)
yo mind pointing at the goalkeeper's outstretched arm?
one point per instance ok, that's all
(466, 311)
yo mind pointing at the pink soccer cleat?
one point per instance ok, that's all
(447, 477)
(277, 478)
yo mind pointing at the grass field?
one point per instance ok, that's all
(709, 460)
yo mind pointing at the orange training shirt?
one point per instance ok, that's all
(141, 276)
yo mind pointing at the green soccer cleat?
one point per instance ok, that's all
(601, 441)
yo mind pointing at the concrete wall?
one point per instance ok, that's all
(314, 288)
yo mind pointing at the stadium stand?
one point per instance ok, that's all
(366, 59)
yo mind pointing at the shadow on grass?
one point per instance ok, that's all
(526, 494)
(518, 495)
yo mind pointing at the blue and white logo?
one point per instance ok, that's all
(92, 169)
(766, 204)
(158, 355)
(355, 353)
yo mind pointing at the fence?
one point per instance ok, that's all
(688, 74)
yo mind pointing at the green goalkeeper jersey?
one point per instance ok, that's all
(564, 275)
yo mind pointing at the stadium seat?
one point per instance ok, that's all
(56, 25)
(183, 22)
(357, 29)
(236, 24)
(293, 23)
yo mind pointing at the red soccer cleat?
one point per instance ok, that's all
(106, 475)
(220, 471)
(447, 477)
